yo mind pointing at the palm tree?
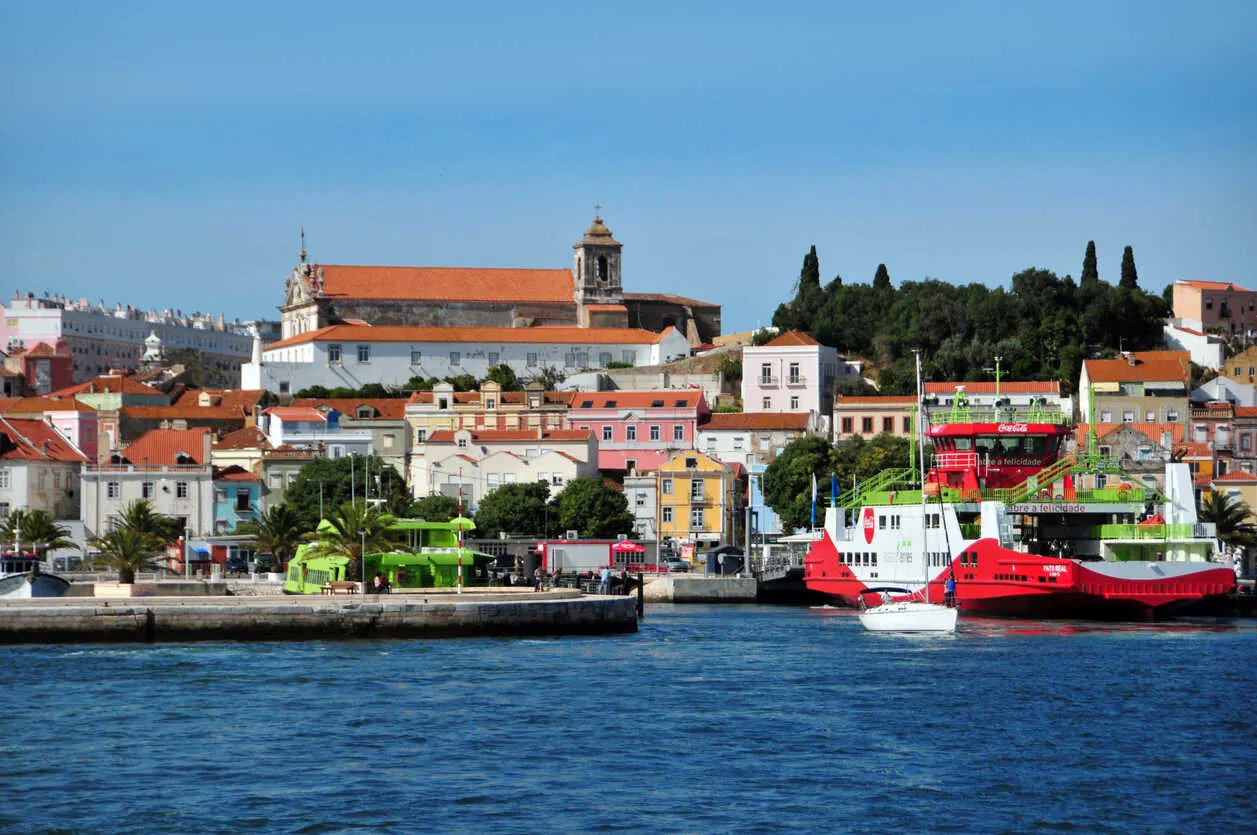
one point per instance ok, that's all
(1231, 516)
(139, 515)
(350, 527)
(36, 527)
(128, 550)
(277, 531)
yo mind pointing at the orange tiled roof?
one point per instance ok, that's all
(248, 438)
(669, 298)
(158, 447)
(233, 473)
(874, 400)
(110, 384)
(393, 408)
(539, 335)
(246, 400)
(39, 405)
(182, 413)
(756, 421)
(1150, 366)
(1213, 285)
(988, 387)
(790, 338)
(1246, 411)
(672, 399)
(34, 440)
(1236, 476)
(1151, 431)
(294, 414)
(512, 397)
(446, 436)
(448, 284)
(607, 308)
(1193, 449)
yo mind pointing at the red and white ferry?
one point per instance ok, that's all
(1022, 529)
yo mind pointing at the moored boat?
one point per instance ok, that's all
(21, 578)
(1007, 520)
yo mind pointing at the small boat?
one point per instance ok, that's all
(21, 578)
(905, 615)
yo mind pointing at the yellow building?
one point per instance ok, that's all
(699, 499)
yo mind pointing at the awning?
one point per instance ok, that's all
(626, 546)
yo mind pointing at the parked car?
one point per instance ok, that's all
(674, 563)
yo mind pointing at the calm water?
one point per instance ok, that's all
(710, 719)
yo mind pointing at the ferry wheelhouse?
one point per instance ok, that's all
(1021, 528)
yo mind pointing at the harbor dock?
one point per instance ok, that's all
(430, 614)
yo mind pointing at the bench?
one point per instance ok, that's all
(341, 587)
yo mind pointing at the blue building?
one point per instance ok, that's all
(237, 498)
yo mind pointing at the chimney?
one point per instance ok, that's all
(1130, 360)
(541, 432)
(206, 447)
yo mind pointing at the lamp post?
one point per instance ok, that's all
(364, 562)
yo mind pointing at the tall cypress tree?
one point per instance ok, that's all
(810, 275)
(1130, 278)
(881, 281)
(1090, 271)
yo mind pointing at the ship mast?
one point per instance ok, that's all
(925, 554)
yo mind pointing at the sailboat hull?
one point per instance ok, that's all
(909, 616)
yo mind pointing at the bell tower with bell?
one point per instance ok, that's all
(599, 292)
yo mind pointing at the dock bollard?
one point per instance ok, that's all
(641, 596)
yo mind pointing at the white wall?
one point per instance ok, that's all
(1207, 351)
(818, 368)
(198, 507)
(288, 370)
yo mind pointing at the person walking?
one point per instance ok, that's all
(604, 581)
(539, 579)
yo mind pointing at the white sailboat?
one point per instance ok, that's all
(911, 615)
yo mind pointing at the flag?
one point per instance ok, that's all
(833, 490)
(813, 499)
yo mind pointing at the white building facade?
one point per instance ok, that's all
(792, 373)
(353, 355)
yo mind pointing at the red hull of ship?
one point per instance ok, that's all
(991, 580)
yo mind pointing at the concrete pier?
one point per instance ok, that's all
(699, 588)
(429, 614)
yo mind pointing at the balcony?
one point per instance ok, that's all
(769, 381)
(796, 380)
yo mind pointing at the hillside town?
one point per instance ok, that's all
(462, 380)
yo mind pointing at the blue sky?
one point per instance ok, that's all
(161, 154)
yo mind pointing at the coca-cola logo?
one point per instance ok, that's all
(868, 525)
(1013, 427)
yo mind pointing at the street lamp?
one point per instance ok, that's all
(364, 562)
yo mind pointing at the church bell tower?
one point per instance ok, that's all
(598, 267)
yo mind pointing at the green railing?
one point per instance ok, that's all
(1041, 480)
(1182, 530)
(962, 413)
(879, 483)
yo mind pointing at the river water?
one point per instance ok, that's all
(726, 719)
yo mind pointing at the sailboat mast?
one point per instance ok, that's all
(925, 554)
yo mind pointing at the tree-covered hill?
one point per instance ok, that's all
(1043, 326)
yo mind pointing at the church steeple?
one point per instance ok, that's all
(598, 266)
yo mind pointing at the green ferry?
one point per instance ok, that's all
(424, 555)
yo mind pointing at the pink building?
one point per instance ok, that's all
(1215, 304)
(793, 373)
(77, 422)
(638, 430)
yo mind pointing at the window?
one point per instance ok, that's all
(416, 356)
(607, 432)
(666, 487)
(1246, 442)
(691, 463)
(243, 498)
(113, 489)
(846, 425)
(582, 359)
(558, 480)
(333, 353)
(456, 358)
(421, 436)
(639, 498)
(888, 424)
(907, 424)
(364, 353)
(181, 489)
(696, 519)
(1106, 416)
(656, 432)
(543, 477)
(765, 374)
(794, 373)
(678, 432)
(1171, 415)
(630, 432)
(630, 465)
(494, 357)
(768, 403)
(627, 356)
(604, 359)
(667, 515)
(462, 443)
(569, 359)
(866, 425)
(284, 387)
(1128, 415)
(737, 441)
(336, 451)
(697, 489)
(794, 402)
(531, 359)
(1150, 416)
(4, 510)
(146, 490)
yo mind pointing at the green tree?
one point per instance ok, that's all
(1130, 278)
(594, 508)
(788, 479)
(351, 527)
(376, 391)
(520, 508)
(315, 391)
(276, 531)
(328, 482)
(1232, 518)
(881, 279)
(549, 377)
(37, 528)
(463, 382)
(343, 393)
(504, 376)
(1090, 269)
(127, 550)
(140, 516)
(434, 508)
(421, 383)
